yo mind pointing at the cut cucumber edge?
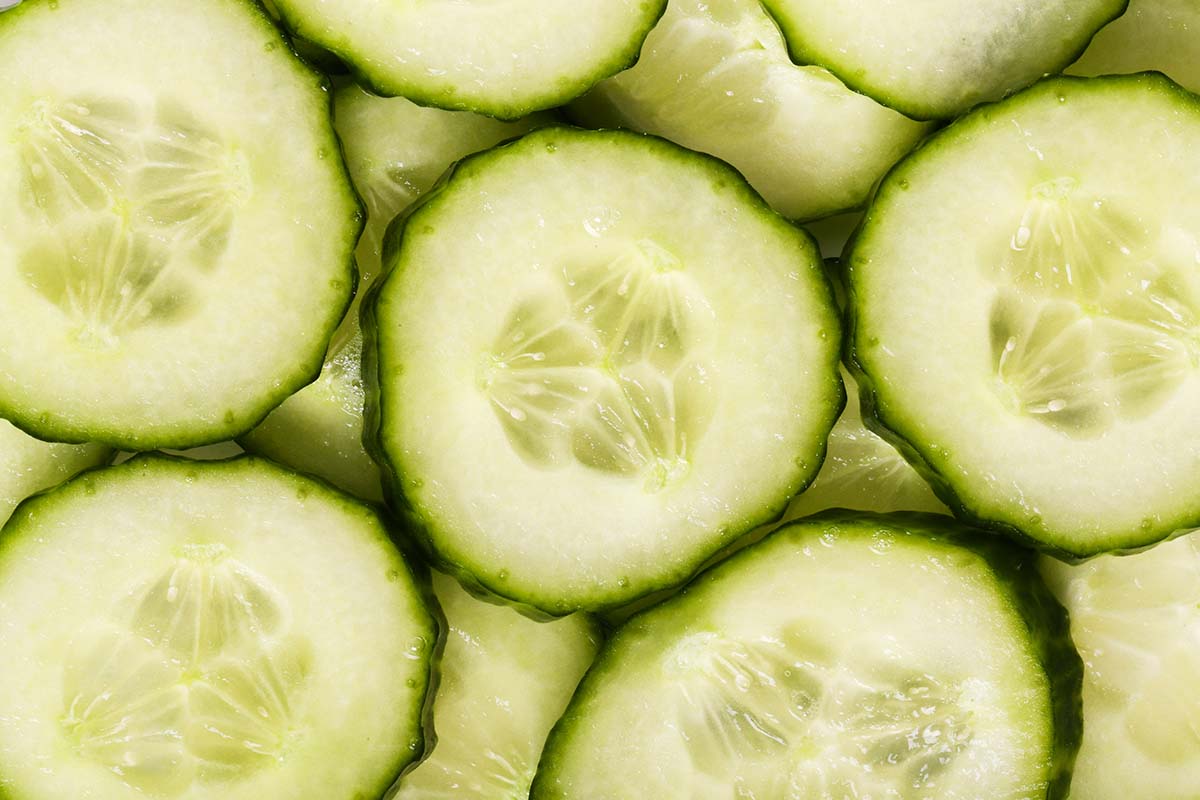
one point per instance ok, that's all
(419, 575)
(425, 531)
(378, 83)
(48, 429)
(1015, 568)
(863, 85)
(936, 471)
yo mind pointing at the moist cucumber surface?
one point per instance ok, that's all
(1025, 293)
(1161, 35)
(936, 59)
(600, 358)
(176, 225)
(504, 58)
(716, 77)
(503, 681)
(178, 629)
(1136, 622)
(395, 151)
(847, 655)
(29, 465)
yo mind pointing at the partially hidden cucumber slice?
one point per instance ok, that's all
(29, 465)
(936, 59)
(1161, 35)
(863, 472)
(395, 150)
(504, 681)
(178, 629)
(601, 357)
(504, 58)
(715, 76)
(1026, 301)
(1136, 622)
(843, 656)
(176, 225)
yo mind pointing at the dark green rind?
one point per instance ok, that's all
(904, 434)
(422, 739)
(913, 108)
(47, 427)
(1014, 569)
(386, 86)
(425, 530)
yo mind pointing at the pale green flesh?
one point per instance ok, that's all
(1161, 35)
(504, 681)
(716, 77)
(863, 472)
(849, 660)
(29, 465)
(635, 352)
(1136, 622)
(937, 58)
(1064, 321)
(505, 59)
(143, 207)
(177, 630)
(395, 151)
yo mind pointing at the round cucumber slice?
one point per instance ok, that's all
(1161, 35)
(504, 680)
(29, 465)
(843, 656)
(178, 629)
(601, 357)
(936, 59)
(715, 76)
(396, 151)
(1136, 622)
(176, 225)
(1026, 295)
(504, 58)
(863, 472)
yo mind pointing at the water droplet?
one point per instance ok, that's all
(903, 184)
(623, 583)
(502, 575)
(551, 147)
(411, 683)
(416, 483)
(393, 575)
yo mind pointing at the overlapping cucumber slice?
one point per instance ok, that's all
(936, 59)
(395, 151)
(601, 357)
(174, 257)
(1026, 293)
(1161, 35)
(715, 76)
(1136, 621)
(178, 629)
(29, 465)
(504, 681)
(843, 656)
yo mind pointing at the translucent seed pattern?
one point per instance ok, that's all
(606, 368)
(1112, 329)
(774, 725)
(199, 688)
(126, 205)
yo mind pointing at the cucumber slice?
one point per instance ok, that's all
(395, 150)
(1136, 621)
(601, 357)
(843, 656)
(1038, 265)
(29, 465)
(714, 75)
(936, 59)
(178, 629)
(863, 472)
(175, 223)
(1161, 35)
(504, 681)
(505, 59)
